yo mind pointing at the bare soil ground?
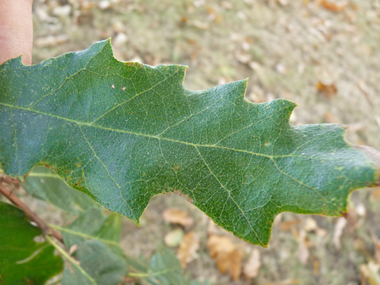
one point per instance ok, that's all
(287, 49)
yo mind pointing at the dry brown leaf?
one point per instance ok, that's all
(251, 269)
(376, 194)
(330, 118)
(227, 255)
(377, 252)
(328, 90)
(355, 7)
(287, 225)
(86, 5)
(217, 244)
(177, 216)
(231, 262)
(339, 226)
(333, 6)
(187, 250)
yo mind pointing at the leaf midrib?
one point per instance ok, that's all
(271, 157)
(79, 123)
(106, 241)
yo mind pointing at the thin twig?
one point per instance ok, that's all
(9, 180)
(33, 217)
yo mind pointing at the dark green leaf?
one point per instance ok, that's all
(45, 184)
(125, 132)
(22, 260)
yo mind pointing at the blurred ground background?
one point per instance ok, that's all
(322, 55)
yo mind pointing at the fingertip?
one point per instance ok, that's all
(16, 30)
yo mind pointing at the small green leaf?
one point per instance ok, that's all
(125, 132)
(92, 224)
(45, 184)
(22, 260)
(100, 256)
(99, 266)
(96, 236)
(164, 268)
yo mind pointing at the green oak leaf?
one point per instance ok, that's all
(23, 260)
(163, 269)
(95, 235)
(124, 132)
(97, 265)
(45, 184)
(92, 224)
(97, 239)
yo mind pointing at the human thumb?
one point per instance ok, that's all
(16, 30)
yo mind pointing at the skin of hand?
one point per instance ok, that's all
(16, 30)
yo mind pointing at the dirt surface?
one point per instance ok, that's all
(325, 58)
